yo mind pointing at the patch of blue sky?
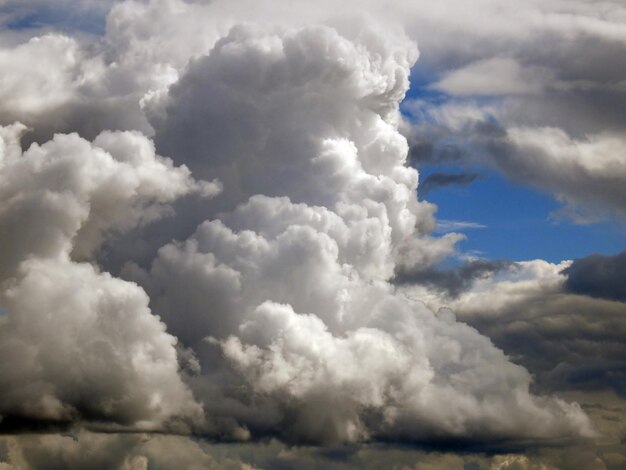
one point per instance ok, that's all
(517, 222)
(61, 16)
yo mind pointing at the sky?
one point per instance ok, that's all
(258, 235)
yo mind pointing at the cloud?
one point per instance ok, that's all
(297, 272)
(439, 180)
(598, 276)
(524, 307)
(555, 161)
(276, 293)
(59, 68)
(65, 324)
(497, 76)
(492, 94)
(584, 174)
(452, 281)
(87, 450)
(62, 335)
(72, 193)
(444, 225)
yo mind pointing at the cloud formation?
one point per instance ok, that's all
(298, 272)
(66, 325)
(216, 231)
(598, 276)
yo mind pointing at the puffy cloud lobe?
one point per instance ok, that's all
(267, 97)
(83, 345)
(598, 276)
(71, 193)
(524, 306)
(55, 82)
(308, 258)
(417, 375)
(28, 90)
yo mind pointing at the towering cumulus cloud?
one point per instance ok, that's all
(224, 264)
(283, 291)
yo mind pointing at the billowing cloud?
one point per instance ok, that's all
(78, 343)
(229, 243)
(525, 306)
(297, 273)
(86, 450)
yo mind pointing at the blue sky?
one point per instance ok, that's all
(49, 14)
(517, 221)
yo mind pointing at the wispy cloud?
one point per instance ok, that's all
(445, 226)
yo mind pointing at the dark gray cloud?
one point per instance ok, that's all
(440, 180)
(90, 451)
(598, 276)
(585, 174)
(451, 281)
(569, 341)
(532, 106)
